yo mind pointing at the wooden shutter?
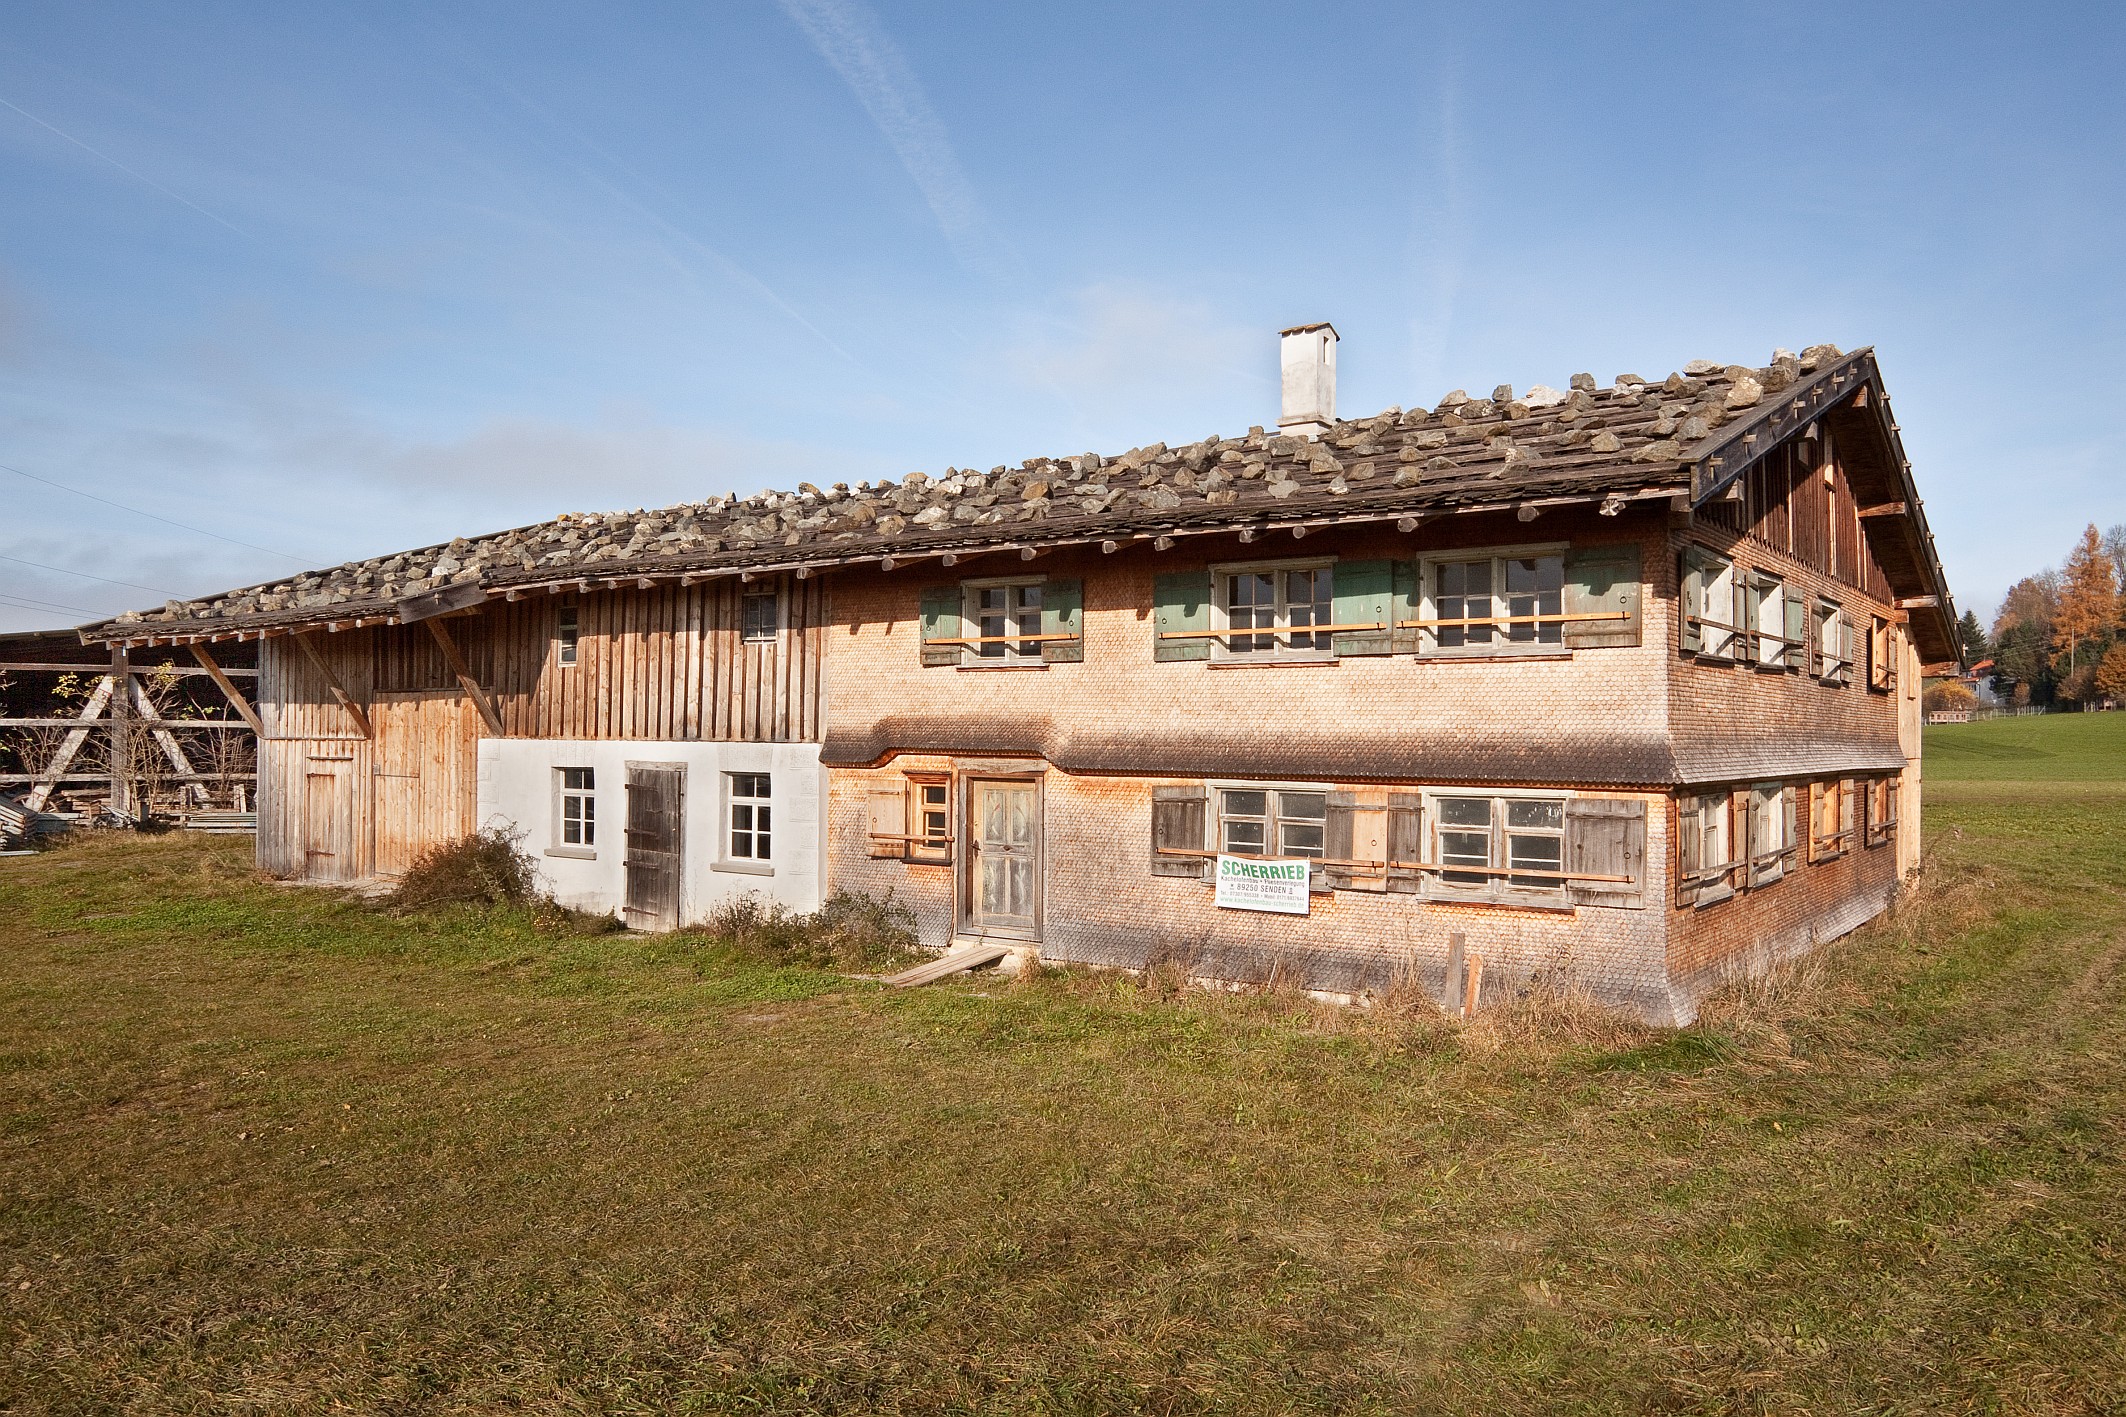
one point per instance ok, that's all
(1790, 804)
(1603, 580)
(1690, 839)
(1796, 657)
(1336, 837)
(1181, 601)
(1816, 851)
(1179, 817)
(1365, 594)
(888, 820)
(941, 621)
(1690, 604)
(1606, 836)
(1753, 843)
(1406, 840)
(1062, 613)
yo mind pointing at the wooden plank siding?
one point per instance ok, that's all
(663, 664)
(1791, 507)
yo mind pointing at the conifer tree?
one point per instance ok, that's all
(2088, 611)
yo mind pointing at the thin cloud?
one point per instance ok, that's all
(853, 42)
(137, 177)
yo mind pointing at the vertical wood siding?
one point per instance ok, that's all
(665, 663)
(1790, 508)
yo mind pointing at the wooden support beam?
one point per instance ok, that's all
(1027, 553)
(121, 731)
(1407, 524)
(1886, 509)
(353, 710)
(1109, 548)
(41, 790)
(99, 669)
(470, 685)
(221, 681)
(1918, 602)
(152, 719)
(1162, 543)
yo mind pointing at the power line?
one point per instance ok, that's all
(182, 526)
(136, 585)
(23, 602)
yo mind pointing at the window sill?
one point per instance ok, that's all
(1560, 906)
(1538, 652)
(1242, 661)
(998, 668)
(573, 853)
(744, 868)
(1706, 898)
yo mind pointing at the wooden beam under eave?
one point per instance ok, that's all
(470, 685)
(354, 710)
(221, 681)
(1918, 602)
(1886, 509)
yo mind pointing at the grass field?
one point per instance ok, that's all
(271, 1150)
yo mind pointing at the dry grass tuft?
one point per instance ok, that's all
(852, 933)
(1551, 1012)
(486, 868)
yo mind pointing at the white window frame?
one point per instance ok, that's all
(1715, 881)
(1015, 653)
(1722, 597)
(1833, 626)
(732, 802)
(750, 636)
(568, 635)
(1221, 611)
(1767, 824)
(1767, 622)
(1500, 647)
(1273, 820)
(1494, 889)
(585, 849)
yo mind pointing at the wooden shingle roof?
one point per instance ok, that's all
(1686, 434)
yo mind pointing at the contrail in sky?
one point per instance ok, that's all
(850, 38)
(148, 181)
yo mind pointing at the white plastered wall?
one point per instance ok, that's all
(517, 789)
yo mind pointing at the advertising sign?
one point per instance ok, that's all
(1250, 883)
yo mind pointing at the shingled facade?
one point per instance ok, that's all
(1616, 679)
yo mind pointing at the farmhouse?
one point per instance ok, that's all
(1621, 678)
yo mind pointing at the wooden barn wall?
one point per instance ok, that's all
(314, 766)
(1791, 508)
(663, 663)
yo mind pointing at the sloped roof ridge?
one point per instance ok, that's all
(1585, 439)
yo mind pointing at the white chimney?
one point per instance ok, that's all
(1307, 354)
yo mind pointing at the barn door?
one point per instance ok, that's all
(1003, 873)
(328, 818)
(656, 804)
(426, 747)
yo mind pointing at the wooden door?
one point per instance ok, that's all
(1003, 881)
(426, 748)
(328, 818)
(656, 809)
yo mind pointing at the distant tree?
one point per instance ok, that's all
(2111, 674)
(1946, 696)
(2030, 601)
(2022, 638)
(1977, 645)
(2087, 612)
(2115, 548)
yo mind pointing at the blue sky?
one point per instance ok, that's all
(331, 281)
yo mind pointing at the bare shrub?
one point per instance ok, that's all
(486, 868)
(852, 932)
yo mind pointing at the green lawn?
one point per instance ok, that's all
(271, 1150)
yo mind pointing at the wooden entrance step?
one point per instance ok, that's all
(955, 961)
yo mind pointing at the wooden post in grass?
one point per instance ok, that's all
(1476, 986)
(121, 732)
(1452, 1000)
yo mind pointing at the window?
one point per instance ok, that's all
(1496, 604)
(759, 616)
(1775, 623)
(575, 808)
(1498, 848)
(1830, 819)
(1770, 833)
(1714, 612)
(1882, 656)
(1278, 604)
(1834, 644)
(1265, 821)
(1000, 610)
(747, 797)
(930, 833)
(565, 634)
(1882, 810)
(1704, 862)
